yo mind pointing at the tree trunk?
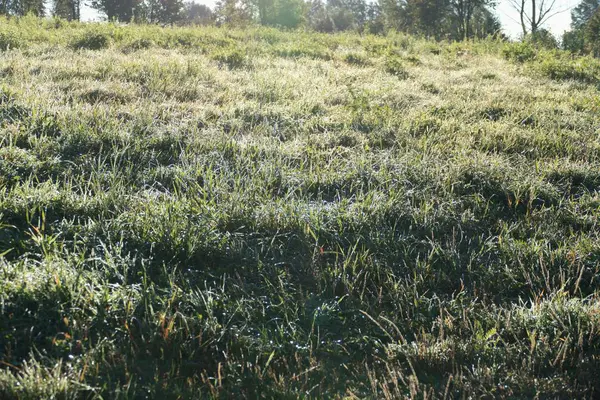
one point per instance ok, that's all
(534, 23)
(522, 15)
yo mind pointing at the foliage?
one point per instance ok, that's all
(67, 9)
(318, 17)
(553, 64)
(573, 41)
(119, 10)
(22, 7)
(542, 38)
(91, 40)
(592, 34)
(9, 39)
(582, 13)
(520, 51)
(583, 69)
(197, 14)
(236, 13)
(231, 57)
(395, 66)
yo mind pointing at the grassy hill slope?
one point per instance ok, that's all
(192, 213)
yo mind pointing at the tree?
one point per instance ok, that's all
(355, 10)
(464, 11)
(283, 13)
(581, 14)
(67, 9)
(542, 38)
(534, 13)
(318, 17)
(121, 10)
(573, 41)
(266, 11)
(22, 7)
(394, 14)
(341, 15)
(290, 13)
(375, 24)
(233, 12)
(426, 17)
(170, 11)
(578, 39)
(485, 24)
(592, 34)
(197, 14)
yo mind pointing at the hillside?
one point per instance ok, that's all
(202, 213)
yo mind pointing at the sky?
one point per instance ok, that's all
(508, 16)
(556, 24)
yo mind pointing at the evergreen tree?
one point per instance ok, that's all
(485, 23)
(592, 34)
(581, 14)
(67, 9)
(22, 7)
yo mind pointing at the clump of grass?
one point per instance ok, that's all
(296, 50)
(230, 57)
(554, 64)
(431, 88)
(356, 59)
(91, 40)
(34, 380)
(412, 59)
(520, 52)
(10, 40)
(394, 66)
(139, 44)
(584, 69)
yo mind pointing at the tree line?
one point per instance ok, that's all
(142, 11)
(440, 19)
(584, 36)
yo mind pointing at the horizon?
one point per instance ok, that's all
(508, 17)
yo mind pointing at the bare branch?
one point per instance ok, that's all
(555, 13)
(534, 13)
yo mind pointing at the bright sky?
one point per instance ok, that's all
(557, 24)
(508, 16)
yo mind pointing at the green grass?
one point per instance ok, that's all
(213, 213)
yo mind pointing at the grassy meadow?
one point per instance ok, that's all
(221, 213)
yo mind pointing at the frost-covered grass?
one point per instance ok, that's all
(192, 213)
